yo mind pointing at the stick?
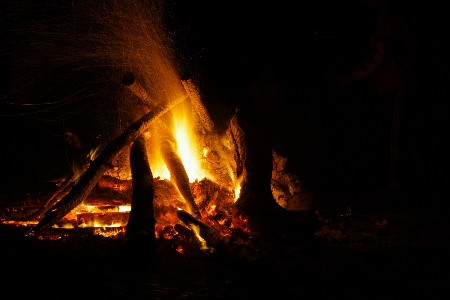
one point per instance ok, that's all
(178, 175)
(98, 167)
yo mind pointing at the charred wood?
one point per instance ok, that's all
(201, 115)
(140, 230)
(98, 167)
(179, 176)
(252, 152)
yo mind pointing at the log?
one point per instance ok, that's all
(179, 176)
(222, 244)
(140, 231)
(201, 115)
(252, 152)
(98, 167)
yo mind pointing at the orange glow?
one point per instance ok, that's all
(187, 143)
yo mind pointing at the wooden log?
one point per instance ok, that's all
(253, 155)
(140, 230)
(213, 238)
(179, 176)
(98, 167)
(201, 115)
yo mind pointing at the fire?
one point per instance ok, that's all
(186, 139)
(237, 188)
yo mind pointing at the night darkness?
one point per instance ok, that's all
(336, 137)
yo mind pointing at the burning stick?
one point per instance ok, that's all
(200, 112)
(98, 167)
(140, 232)
(214, 239)
(129, 80)
(178, 175)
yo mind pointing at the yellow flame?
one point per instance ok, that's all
(196, 230)
(187, 142)
(237, 188)
(124, 208)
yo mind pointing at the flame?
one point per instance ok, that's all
(124, 208)
(187, 144)
(237, 188)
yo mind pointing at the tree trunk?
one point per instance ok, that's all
(252, 151)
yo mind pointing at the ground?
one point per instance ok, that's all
(368, 252)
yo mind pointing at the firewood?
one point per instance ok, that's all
(98, 167)
(253, 156)
(201, 116)
(179, 176)
(140, 231)
(213, 238)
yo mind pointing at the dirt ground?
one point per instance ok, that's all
(364, 252)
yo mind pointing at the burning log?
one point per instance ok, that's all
(98, 167)
(201, 115)
(179, 176)
(213, 238)
(140, 231)
(253, 156)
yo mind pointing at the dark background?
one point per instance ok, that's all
(226, 46)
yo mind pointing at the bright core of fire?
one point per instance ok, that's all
(187, 143)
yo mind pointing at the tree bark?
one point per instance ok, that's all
(98, 167)
(252, 151)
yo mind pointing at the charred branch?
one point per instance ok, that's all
(178, 175)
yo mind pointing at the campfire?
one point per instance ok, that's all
(171, 174)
